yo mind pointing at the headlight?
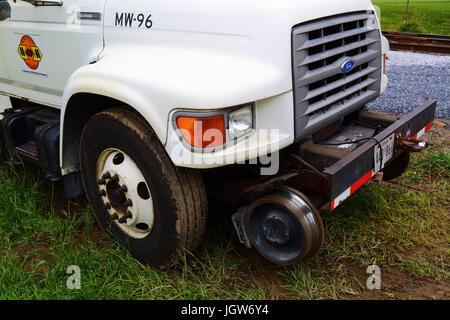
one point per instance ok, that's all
(240, 122)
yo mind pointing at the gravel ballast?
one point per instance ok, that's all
(415, 78)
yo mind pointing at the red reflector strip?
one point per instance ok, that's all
(347, 193)
(423, 131)
(358, 184)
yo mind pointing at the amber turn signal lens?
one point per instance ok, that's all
(203, 132)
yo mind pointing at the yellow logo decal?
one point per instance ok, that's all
(29, 52)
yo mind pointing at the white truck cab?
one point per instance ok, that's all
(147, 105)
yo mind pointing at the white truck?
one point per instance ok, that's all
(147, 106)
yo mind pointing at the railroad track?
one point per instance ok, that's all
(417, 42)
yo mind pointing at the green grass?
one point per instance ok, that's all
(431, 165)
(404, 231)
(425, 16)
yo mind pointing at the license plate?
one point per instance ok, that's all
(387, 148)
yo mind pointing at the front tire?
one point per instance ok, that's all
(152, 207)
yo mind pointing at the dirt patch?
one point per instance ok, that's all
(402, 286)
(396, 284)
(432, 290)
(36, 256)
(265, 275)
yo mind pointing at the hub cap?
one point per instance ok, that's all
(125, 193)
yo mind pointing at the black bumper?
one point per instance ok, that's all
(354, 170)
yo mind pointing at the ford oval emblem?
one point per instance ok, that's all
(348, 66)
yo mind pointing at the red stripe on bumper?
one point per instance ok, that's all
(358, 184)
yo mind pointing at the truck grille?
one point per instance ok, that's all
(323, 92)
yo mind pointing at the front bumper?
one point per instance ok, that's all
(351, 172)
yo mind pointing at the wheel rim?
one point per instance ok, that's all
(125, 193)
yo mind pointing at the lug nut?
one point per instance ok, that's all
(102, 181)
(103, 193)
(115, 216)
(123, 188)
(128, 215)
(122, 220)
(128, 203)
(115, 178)
(107, 206)
(107, 175)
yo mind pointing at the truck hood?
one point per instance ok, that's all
(253, 19)
(247, 17)
(214, 35)
(200, 54)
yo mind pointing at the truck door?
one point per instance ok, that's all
(44, 42)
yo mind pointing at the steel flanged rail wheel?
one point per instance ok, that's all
(284, 226)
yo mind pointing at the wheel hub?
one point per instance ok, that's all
(276, 229)
(125, 193)
(116, 196)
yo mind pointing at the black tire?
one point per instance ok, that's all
(178, 194)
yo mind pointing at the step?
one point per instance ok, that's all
(28, 150)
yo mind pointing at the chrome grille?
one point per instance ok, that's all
(323, 92)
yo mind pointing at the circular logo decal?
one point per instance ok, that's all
(348, 66)
(29, 52)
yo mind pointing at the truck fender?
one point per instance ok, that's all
(158, 80)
